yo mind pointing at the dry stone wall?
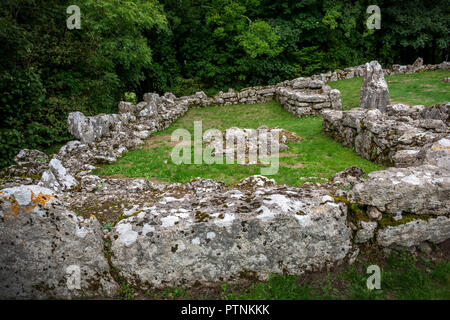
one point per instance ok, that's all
(409, 203)
(402, 136)
(301, 96)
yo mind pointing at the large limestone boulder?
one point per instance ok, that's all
(206, 232)
(416, 190)
(90, 129)
(57, 177)
(47, 251)
(374, 91)
(413, 233)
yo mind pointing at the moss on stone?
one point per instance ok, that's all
(201, 216)
(356, 212)
(387, 220)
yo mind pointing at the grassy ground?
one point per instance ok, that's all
(424, 88)
(316, 155)
(403, 276)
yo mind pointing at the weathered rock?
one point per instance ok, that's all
(374, 91)
(366, 232)
(89, 129)
(30, 164)
(413, 233)
(43, 244)
(373, 213)
(204, 231)
(438, 154)
(27, 156)
(417, 65)
(249, 144)
(127, 107)
(57, 177)
(419, 190)
(348, 178)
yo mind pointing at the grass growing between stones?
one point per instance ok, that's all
(316, 155)
(403, 276)
(425, 88)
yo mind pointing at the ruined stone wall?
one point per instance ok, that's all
(402, 136)
(407, 204)
(358, 71)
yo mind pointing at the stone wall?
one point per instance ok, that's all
(409, 203)
(358, 71)
(301, 97)
(402, 136)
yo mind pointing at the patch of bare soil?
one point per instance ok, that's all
(293, 166)
(162, 140)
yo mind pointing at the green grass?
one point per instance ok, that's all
(403, 277)
(320, 155)
(425, 88)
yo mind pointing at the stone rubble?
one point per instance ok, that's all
(236, 143)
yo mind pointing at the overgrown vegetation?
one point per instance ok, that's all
(127, 47)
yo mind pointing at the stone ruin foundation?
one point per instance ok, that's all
(203, 231)
(247, 146)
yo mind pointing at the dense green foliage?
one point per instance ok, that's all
(47, 70)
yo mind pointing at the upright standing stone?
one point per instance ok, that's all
(374, 91)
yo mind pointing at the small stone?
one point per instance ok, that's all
(374, 213)
(352, 256)
(352, 226)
